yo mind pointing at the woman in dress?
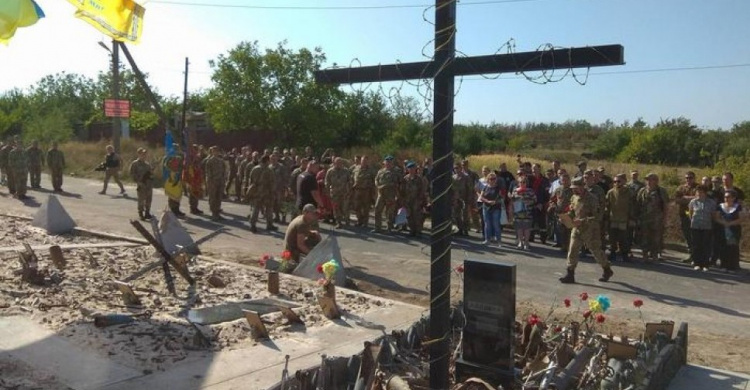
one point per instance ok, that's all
(728, 216)
(522, 202)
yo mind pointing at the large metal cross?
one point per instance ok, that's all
(443, 69)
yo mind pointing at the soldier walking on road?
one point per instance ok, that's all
(215, 179)
(339, 181)
(387, 183)
(56, 163)
(364, 188)
(18, 166)
(414, 197)
(142, 173)
(35, 157)
(583, 210)
(112, 165)
(261, 185)
(652, 201)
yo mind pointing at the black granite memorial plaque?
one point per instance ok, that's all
(487, 347)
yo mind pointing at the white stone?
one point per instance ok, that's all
(322, 253)
(53, 218)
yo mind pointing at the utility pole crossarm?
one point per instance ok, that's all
(581, 57)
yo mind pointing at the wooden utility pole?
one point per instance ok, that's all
(443, 68)
(183, 125)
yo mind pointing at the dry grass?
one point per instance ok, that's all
(82, 157)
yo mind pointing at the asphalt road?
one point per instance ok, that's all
(714, 301)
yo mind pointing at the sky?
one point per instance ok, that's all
(684, 58)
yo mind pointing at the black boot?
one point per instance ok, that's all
(271, 228)
(570, 277)
(253, 229)
(147, 215)
(606, 274)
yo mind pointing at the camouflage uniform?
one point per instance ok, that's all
(387, 183)
(35, 158)
(17, 170)
(364, 188)
(472, 204)
(585, 207)
(6, 175)
(240, 172)
(339, 182)
(215, 179)
(112, 163)
(56, 163)
(620, 210)
(142, 173)
(601, 199)
(414, 197)
(261, 186)
(231, 160)
(463, 194)
(652, 209)
(281, 174)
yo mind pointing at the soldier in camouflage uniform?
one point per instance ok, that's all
(215, 179)
(338, 180)
(560, 204)
(651, 202)
(142, 173)
(592, 185)
(292, 185)
(56, 163)
(17, 168)
(35, 157)
(583, 210)
(473, 209)
(413, 196)
(240, 172)
(281, 175)
(364, 188)
(6, 178)
(463, 195)
(387, 183)
(620, 210)
(231, 159)
(261, 186)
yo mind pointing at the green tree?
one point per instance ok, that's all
(14, 110)
(51, 125)
(274, 89)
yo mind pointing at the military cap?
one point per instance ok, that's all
(309, 208)
(588, 172)
(652, 175)
(388, 158)
(411, 164)
(600, 169)
(577, 183)
(581, 163)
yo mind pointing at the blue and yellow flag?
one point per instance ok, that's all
(15, 14)
(122, 20)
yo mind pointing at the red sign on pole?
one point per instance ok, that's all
(116, 108)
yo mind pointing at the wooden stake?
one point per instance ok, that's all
(273, 282)
(258, 330)
(55, 253)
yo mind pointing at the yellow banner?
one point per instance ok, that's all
(120, 19)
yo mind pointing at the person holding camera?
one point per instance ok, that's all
(142, 173)
(111, 167)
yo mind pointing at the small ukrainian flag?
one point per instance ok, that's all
(15, 14)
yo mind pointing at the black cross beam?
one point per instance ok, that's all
(443, 68)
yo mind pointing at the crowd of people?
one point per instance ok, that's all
(582, 211)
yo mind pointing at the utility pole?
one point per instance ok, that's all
(116, 127)
(184, 130)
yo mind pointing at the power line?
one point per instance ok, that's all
(324, 8)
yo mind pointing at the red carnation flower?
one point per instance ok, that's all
(460, 269)
(584, 296)
(587, 314)
(319, 268)
(566, 301)
(600, 318)
(533, 319)
(637, 303)
(558, 329)
(266, 257)
(262, 262)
